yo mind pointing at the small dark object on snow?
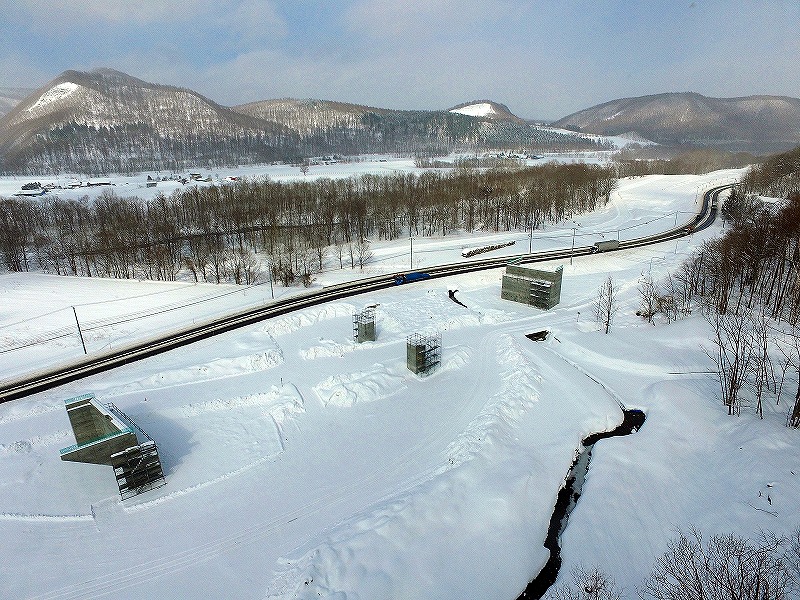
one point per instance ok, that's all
(538, 336)
(452, 294)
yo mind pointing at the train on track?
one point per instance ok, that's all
(402, 278)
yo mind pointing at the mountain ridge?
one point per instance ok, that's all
(759, 122)
(107, 121)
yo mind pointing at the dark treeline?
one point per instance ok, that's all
(777, 177)
(133, 148)
(748, 284)
(638, 161)
(216, 233)
(755, 263)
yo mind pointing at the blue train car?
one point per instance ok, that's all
(409, 277)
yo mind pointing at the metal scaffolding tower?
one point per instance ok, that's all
(137, 468)
(364, 325)
(423, 352)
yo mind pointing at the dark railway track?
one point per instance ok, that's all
(45, 379)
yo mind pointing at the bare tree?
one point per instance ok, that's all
(761, 364)
(791, 355)
(339, 252)
(648, 293)
(363, 252)
(732, 354)
(605, 305)
(727, 567)
(586, 585)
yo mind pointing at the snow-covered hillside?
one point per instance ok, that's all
(302, 465)
(482, 109)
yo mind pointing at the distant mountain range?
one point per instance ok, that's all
(11, 96)
(105, 121)
(760, 124)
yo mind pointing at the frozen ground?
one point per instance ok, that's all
(302, 465)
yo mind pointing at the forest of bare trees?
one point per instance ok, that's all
(636, 161)
(222, 233)
(776, 177)
(720, 567)
(747, 284)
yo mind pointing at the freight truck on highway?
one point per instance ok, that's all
(605, 246)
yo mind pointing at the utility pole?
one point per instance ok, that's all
(412, 253)
(80, 333)
(572, 250)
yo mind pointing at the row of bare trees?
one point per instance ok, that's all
(637, 161)
(218, 233)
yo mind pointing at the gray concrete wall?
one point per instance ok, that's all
(532, 286)
(88, 422)
(100, 452)
(98, 434)
(366, 332)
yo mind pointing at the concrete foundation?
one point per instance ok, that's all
(98, 433)
(423, 353)
(535, 287)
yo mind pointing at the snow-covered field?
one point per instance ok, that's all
(302, 465)
(136, 185)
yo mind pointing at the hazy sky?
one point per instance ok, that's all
(544, 59)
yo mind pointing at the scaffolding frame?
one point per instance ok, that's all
(423, 352)
(364, 325)
(138, 468)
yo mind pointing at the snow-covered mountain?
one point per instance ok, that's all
(326, 126)
(486, 109)
(754, 123)
(11, 96)
(106, 121)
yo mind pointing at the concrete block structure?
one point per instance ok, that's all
(535, 287)
(105, 435)
(98, 432)
(423, 352)
(364, 325)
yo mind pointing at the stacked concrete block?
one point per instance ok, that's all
(535, 287)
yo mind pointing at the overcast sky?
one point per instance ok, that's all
(544, 59)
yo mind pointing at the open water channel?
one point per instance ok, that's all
(567, 500)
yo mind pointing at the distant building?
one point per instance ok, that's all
(535, 287)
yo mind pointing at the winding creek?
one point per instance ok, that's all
(567, 500)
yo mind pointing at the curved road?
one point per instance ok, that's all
(38, 381)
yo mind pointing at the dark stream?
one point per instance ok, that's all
(567, 499)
